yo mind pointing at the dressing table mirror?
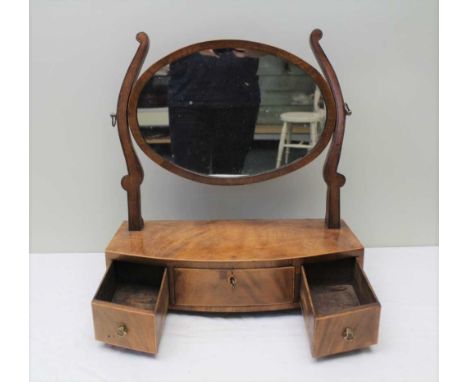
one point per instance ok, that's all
(234, 112)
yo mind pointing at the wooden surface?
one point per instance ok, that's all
(333, 179)
(228, 243)
(226, 266)
(264, 257)
(132, 181)
(334, 298)
(349, 304)
(109, 317)
(160, 311)
(233, 288)
(136, 295)
(133, 307)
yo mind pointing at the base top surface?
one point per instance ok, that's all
(233, 240)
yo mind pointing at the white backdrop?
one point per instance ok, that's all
(385, 54)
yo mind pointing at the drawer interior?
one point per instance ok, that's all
(337, 286)
(131, 284)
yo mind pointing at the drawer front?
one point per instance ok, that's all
(124, 327)
(340, 331)
(130, 327)
(346, 331)
(233, 288)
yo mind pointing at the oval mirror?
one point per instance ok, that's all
(231, 112)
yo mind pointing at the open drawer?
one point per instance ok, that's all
(340, 309)
(130, 306)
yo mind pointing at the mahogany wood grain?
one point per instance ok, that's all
(233, 243)
(161, 308)
(120, 304)
(141, 326)
(208, 249)
(233, 287)
(132, 181)
(330, 331)
(235, 309)
(331, 176)
(328, 318)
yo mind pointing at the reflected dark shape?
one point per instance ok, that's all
(231, 112)
(154, 94)
(213, 99)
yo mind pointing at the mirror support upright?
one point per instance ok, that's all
(132, 181)
(332, 177)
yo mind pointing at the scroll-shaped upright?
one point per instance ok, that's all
(132, 181)
(332, 177)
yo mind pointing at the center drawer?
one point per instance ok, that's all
(233, 288)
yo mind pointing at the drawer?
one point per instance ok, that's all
(130, 306)
(340, 309)
(213, 288)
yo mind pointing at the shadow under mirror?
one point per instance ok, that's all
(231, 112)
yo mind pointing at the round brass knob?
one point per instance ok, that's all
(232, 281)
(348, 334)
(122, 330)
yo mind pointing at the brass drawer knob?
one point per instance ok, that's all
(233, 282)
(122, 330)
(348, 334)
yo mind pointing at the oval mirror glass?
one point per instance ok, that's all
(231, 112)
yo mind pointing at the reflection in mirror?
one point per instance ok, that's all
(231, 112)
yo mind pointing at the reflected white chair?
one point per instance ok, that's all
(314, 119)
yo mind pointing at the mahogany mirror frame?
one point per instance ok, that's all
(127, 121)
(243, 179)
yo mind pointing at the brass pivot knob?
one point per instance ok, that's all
(348, 334)
(233, 282)
(122, 330)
